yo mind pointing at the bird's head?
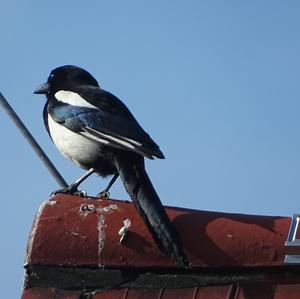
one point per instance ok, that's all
(66, 78)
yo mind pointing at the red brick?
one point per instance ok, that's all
(63, 234)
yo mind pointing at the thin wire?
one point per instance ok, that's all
(36, 147)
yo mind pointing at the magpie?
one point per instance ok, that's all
(96, 131)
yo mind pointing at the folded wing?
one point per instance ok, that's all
(108, 128)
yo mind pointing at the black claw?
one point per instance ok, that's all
(70, 190)
(103, 194)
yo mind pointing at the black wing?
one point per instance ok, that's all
(110, 122)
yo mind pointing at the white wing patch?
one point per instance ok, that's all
(114, 141)
(94, 134)
(72, 98)
(132, 141)
(90, 136)
(117, 140)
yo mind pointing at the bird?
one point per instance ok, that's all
(96, 131)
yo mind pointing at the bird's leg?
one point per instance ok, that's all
(73, 188)
(105, 192)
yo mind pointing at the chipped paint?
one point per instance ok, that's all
(33, 231)
(87, 208)
(78, 235)
(101, 234)
(90, 208)
(107, 209)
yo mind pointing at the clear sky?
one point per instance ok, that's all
(215, 83)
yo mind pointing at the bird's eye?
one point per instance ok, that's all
(51, 76)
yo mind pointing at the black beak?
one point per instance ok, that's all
(42, 89)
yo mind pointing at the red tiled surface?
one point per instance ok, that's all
(217, 292)
(263, 290)
(49, 293)
(251, 291)
(114, 294)
(69, 230)
(289, 291)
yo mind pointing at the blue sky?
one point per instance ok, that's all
(215, 83)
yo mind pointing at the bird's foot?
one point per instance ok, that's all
(72, 189)
(103, 195)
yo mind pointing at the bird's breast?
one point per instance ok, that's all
(79, 149)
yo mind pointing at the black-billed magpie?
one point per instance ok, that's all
(95, 130)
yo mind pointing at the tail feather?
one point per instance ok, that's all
(139, 187)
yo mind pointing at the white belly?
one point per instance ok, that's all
(79, 149)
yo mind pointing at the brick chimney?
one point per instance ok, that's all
(97, 248)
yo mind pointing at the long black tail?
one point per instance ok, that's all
(139, 187)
